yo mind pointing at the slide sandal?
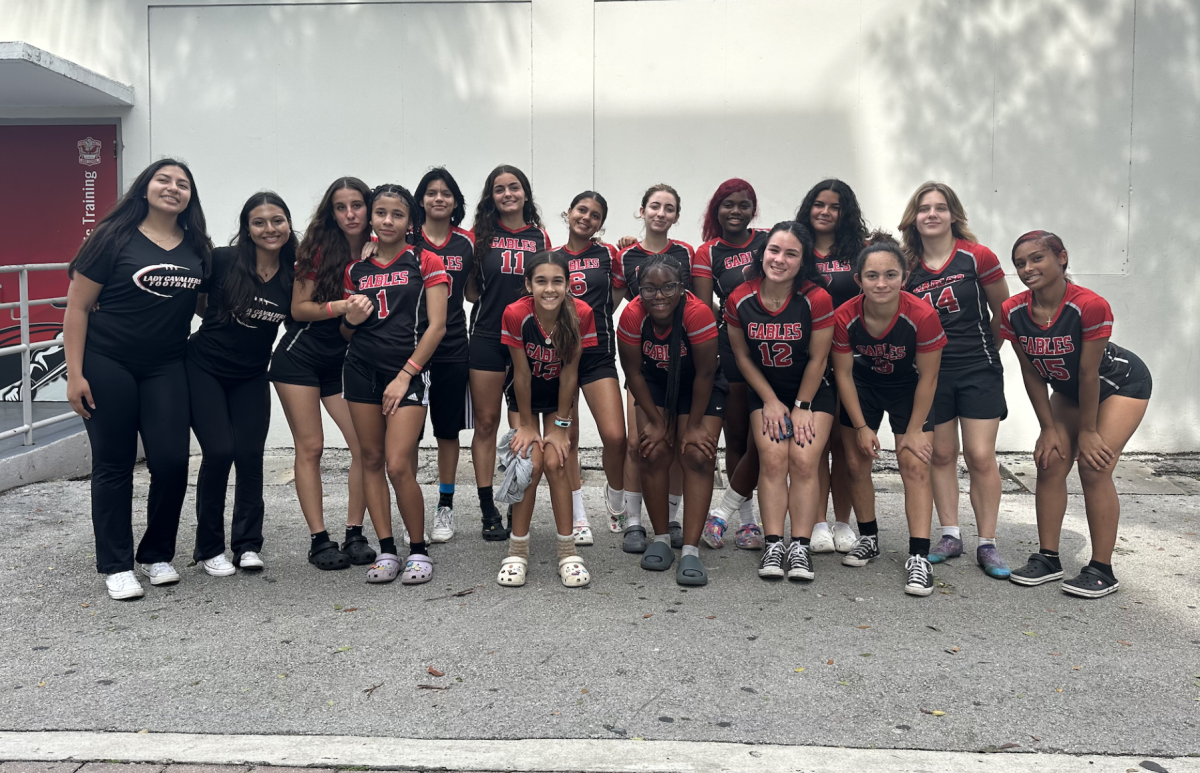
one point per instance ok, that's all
(658, 557)
(691, 572)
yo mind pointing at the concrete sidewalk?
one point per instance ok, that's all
(847, 660)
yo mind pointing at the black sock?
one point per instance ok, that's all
(868, 528)
(802, 540)
(1106, 568)
(773, 538)
(918, 546)
(354, 531)
(418, 548)
(446, 499)
(319, 537)
(486, 505)
(387, 545)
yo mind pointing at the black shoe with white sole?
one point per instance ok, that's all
(771, 564)
(1092, 583)
(1039, 569)
(920, 576)
(863, 551)
(799, 564)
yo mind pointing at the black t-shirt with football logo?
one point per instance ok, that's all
(144, 312)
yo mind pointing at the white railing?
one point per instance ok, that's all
(26, 346)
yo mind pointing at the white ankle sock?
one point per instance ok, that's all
(633, 508)
(578, 514)
(663, 538)
(674, 500)
(986, 541)
(730, 503)
(746, 511)
(952, 531)
(616, 498)
(691, 550)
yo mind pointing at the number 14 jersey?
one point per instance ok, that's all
(956, 292)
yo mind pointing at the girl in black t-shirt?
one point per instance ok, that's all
(133, 291)
(508, 231)
(306, 367)
(249, 295)
(831, 215)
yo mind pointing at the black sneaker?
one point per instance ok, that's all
(1092, 583)
(920, 576)
(771, 564)
(799, 564)
(493, 529)
(863, 551)
(1039, 569)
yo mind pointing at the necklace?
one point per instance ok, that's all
(1038, 307)
(159, 242)
(775, 305)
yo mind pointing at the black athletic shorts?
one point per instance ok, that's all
(716, 401)
(1136, 383)
(286, 368)
(896, 401)
(594, 366)
(975, 393)
(823, 402)
(489, 354)
(729, 366)
(543, 397)
(449, 398)
(365, 384)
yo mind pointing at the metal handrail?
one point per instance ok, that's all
(26, 346)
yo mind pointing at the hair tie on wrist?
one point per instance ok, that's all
(329, 308)
(415, 366)
(856, 429)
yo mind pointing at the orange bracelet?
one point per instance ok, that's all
(329, 308)
(415, 365)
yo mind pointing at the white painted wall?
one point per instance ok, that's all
(1080, 116)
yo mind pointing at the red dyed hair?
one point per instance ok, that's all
(711, 228)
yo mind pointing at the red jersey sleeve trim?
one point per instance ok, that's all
(618, 267)
(698, 321)
(587, 324)
(702, 261)
(348, 287)
(843, 318)
(1096, 317)
(821, 304)
(546, 236)
(511, 324)
(930, 336)
(468, 235)
(737, 298)
(629, 329)
(1006, 311)
(433, 269)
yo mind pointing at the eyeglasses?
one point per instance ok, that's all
(669, 290)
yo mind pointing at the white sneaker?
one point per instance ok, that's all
(218, 566)
(124, 585)
(251, 560)
(822, 539)
(843, 537)
(161, 573)
(408, 539)
(443, 525)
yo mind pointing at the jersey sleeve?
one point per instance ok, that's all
(987, 266)
(841, 327)
(1097, 318)
(546, 237)
(433, 269)
(735, 300)
(618, 269)
(348, 286)
(698, 321)
(1006, 329)
(702, 262)
(930, 336)
(587, 324)
(510, 327)
(822, 307)
(629, 329)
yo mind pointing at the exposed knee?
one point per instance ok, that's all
(1090, 477)
(801, 464)
(486, 426)
(695, 461)
(912, 469)
(981, 461)
(660, 457)
(614, 441)
(735, 442)
(944, 455)
(773, 464)
(539, 466)
(309, 451)
(372, 459)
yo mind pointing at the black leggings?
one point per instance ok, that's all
(152, 400)
(230, 418)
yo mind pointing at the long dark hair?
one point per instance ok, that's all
(324, 243)
(114, 231)
(241, 283)
(670, 409)
(851, 231)
(808, 258)
(486, 216)
(437, 173)
(566, 336)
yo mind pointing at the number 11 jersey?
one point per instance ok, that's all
(501, 277)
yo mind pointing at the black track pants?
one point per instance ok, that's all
(230, 418)
(152, 400)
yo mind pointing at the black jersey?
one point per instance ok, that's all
(591, 281)
(316, 343)
(891, 359)
(521, 330)
(397, 291)
(144, 312)
(240, 348)
(779, 340)
(839, 277)
(637, 329)
(956, 292)
(726, 263)
(458, 254)
(1055, 349)
(501, 277)
(628, 264)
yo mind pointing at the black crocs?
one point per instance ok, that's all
(326, 556)
(358, 550)
(1039, 569)
(1091, 583)
(493, 529)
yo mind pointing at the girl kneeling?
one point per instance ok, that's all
(545, 332)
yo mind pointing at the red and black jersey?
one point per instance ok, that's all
(522, 330)
(591, 281)
(726, 263)
(956, 292)
(839, 277)
(891, 359)
(779, 340)
(397, 291)
(501, 277)
(636, 328)
(458, 254)
(629, 261)
(1055, 349)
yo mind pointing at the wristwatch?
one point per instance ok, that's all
(804, 405)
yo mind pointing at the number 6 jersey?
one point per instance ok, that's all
(956, 292)
(397, 291)
(891, 359)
